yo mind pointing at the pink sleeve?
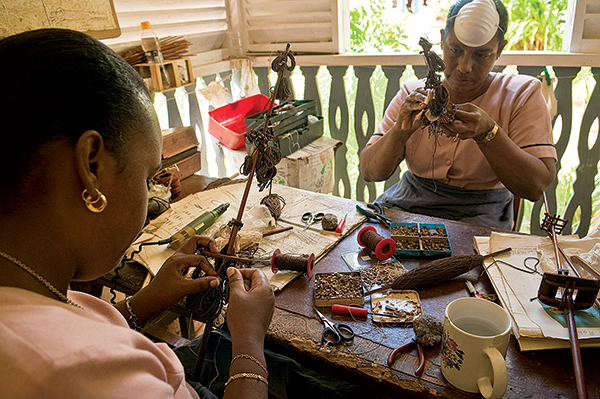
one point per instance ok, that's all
(391, 113)
(86, 353)
(106, 371)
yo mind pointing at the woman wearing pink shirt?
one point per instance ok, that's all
(80, 143)
(499, 146)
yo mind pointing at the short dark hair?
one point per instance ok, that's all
(502, 23)
(56, 84)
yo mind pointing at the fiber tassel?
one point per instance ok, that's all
(437, 272)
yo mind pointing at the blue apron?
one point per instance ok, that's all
(493, 208)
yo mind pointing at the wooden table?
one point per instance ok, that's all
(296, 330)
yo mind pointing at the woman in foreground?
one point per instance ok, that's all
(81, 141)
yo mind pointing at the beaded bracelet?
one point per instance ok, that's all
(250, 357)
(133, 318)
(248, 375)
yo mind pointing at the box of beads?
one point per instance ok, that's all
(341, 288)
(420, 240)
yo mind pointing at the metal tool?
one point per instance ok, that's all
(335, 334)
(396, 352)
(376, 214)
(472, 291)
(567, 293)
(309, 218)
(357, 312)
(570, 293)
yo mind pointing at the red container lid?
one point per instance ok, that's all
(227, 123)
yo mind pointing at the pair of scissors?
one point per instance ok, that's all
(335, 334)
(309, 218)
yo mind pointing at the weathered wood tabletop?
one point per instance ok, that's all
(296, 329)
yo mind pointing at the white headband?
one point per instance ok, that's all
(477, 23)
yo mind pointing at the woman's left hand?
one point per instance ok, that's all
(171, 284)
(471, 122)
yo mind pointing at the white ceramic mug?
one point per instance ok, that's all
(474, 343)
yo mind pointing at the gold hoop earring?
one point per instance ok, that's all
(95, 205)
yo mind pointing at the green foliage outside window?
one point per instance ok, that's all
(371, 32)
(536, 24)
(533, 25)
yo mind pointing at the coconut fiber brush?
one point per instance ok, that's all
(437, 272)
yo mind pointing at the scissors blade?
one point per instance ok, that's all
(321, 315)
(324, 319)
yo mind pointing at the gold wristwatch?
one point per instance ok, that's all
(489, 135)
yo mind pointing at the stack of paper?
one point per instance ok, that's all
(516, 277)
(256, 217)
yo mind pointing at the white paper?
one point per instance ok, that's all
(295, 242)
(532, 326)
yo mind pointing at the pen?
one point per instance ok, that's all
(472, 291)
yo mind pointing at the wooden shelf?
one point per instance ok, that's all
(172, 68)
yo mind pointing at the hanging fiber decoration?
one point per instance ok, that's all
(280, 65)
(268, 156)
(439, 109)
(383, 248)
(274, 203)
(206, 305)
(295, 263)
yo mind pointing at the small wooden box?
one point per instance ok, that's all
(188, 163)
(172, 68)
(177, 140)
(337, 283)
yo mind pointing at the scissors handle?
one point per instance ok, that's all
(337, 334)
(346, 333)
(309, 218)
(331, 336)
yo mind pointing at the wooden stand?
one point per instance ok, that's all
(172, 67)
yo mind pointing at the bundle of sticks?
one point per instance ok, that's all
(172, 47)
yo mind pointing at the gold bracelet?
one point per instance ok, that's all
(248, 375)
(250, 357)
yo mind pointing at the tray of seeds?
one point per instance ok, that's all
(420, 240)
(396, 306)
(406, 236)
(434, 240)
(341, 288)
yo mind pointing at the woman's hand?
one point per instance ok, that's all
(409, 115)
(170, 285)
(379, 160)
(251, 305)
(471, 122)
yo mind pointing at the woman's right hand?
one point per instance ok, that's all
(408, 117)
(251, 304)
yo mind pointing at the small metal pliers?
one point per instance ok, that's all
(396, 352)
(376, 213)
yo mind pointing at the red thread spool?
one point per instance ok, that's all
(384, 248)
(302, 264)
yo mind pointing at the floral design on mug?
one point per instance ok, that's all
(452, 356)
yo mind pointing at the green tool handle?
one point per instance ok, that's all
(197, 226)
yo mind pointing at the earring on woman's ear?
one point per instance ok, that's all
(95, 205)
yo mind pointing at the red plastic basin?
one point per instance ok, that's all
(227, 123)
